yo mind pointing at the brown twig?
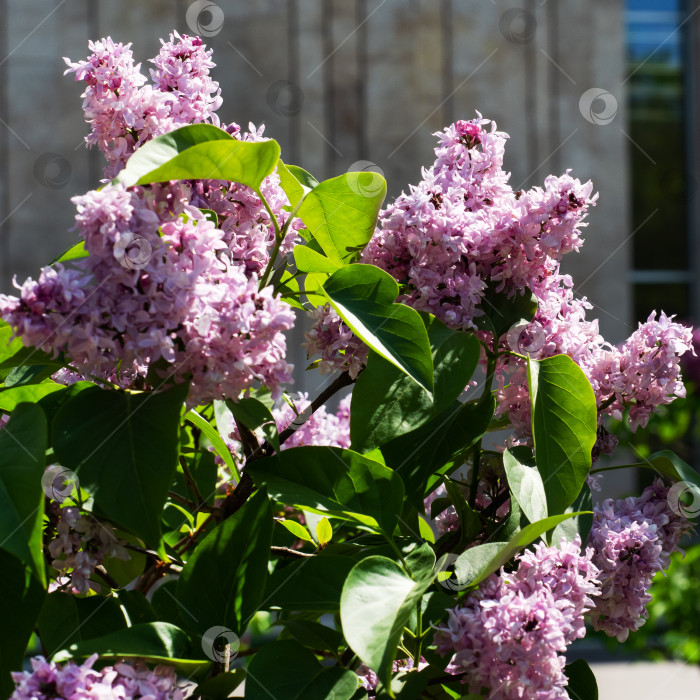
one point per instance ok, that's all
(288, 553)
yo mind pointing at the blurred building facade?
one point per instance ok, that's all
(607, 89)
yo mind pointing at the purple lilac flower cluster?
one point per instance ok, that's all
(323, 427)
(162, 283)
(463, 229)
(124, 112)
(80, 544)
(70, 681)
(509, 637)
(633, 540)
(369, 680)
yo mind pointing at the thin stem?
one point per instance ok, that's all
(288, 553)
(191, 483)
(419, 634)
(490, 373)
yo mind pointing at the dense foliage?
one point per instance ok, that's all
(174, 522)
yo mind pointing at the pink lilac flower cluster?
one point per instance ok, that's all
(4, 417)
(124, 112)
(509, 638)
(323, 427)
(447, 519)
(462, 229)
(114, 313)
(162, 283)
(369, 680)
(633, 540)
(80, 544)
(71, 681)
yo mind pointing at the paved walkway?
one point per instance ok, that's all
(647, 681)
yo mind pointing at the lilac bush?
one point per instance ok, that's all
(201, 523)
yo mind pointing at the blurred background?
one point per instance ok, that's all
(608, 89)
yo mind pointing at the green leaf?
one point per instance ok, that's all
(23, 443)
(364, 295)
(668, 464)
(21, 597)
(201, 152)
(331, 684)
(469, 565)
(519, 541)
(75, 252)
(502, 312)
(223, 581)
(295, 182)
(66, 619)
(333, 481)
(298, 530)
(313, 584)
(220, 687)
(309, 260)
(582, 683)
(421, 453)
(124, 449)
(324, 532)
(9, 398)
(213, 436)
(285, 669)
(387, 404)
(564, 427)
(525, 482)
(158, 642)
(341, 213)
(375, 606)
(315, 635)
(578, 525)
(254, 414)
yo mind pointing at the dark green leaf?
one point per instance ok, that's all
(375, 606)
(220, 687)
(333, 481)
(23, 444)
(564, 427)
(578, 525)
(331, 684)
(364, 296)
(281, 669)
(158, 642)
(525, 482)
(223, 581)
(502, 312)
(313, 583)
(66, 619)
(470, 564)
(387, 404)
(9, 398)
(21, 597)
(124, 450)
(201, 152)
(421, 453)
(582, 683)
(254, 414)
(315, 635)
